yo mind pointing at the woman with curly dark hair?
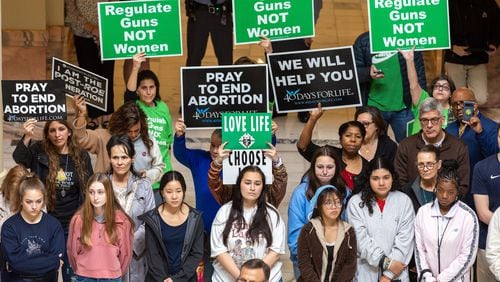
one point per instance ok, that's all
(383, 220)
(128, 120)
(60, 164)
(247, 228)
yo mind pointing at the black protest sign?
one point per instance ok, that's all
(209, 91)
(303, 79)
(43, 100)
(92, 87)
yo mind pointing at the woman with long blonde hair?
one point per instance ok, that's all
(100, 239)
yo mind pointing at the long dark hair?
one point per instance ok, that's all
(367, 194)
(336, 180)
(74, 153)
(260, 224)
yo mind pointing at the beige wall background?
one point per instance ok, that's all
(32, 14)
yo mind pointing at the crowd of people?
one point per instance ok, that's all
(421, 206)
(388, 212)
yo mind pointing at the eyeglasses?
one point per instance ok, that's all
(425, 121)
(442, 86)
(429, 165)
(332, 204)
(366, 123)
(457, 104)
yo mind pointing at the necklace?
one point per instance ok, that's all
(61, 177)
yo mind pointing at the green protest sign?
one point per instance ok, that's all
(129, 27)
(246, 131)
(406, 23)
(275, 19)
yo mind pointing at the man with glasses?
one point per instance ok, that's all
(254, 270)
(449, 146)
(475, 130)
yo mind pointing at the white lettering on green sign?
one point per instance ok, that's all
(272, 18)
(402, 42)
(256, 123)
(144, 9)
(398, 4)
(124, 48)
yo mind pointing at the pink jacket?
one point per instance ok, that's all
(101, 260)
(453, 260)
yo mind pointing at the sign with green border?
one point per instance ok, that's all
(403, 24)
(246, 131)
(275, 19)
(129, 27)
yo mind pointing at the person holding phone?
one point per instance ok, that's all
(474, 129)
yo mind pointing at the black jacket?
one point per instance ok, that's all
(473, 23)
(156, 252)
(36, 159)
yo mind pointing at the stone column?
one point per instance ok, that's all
(2, 169)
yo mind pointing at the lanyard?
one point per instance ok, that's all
(440, 241)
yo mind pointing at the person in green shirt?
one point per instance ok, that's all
(441, 88)
(144, 87)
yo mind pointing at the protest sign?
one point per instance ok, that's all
(275, 19)
(92, 87)
(43, 100)
(303, 79)
(129, 27)
(239, 159)
(246, 131)
(209, 91)
(403, 24)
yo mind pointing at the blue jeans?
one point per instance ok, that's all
(296, 271)
(78, 278)
(66, 269)
(398, 121)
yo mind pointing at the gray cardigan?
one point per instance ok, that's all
(390, 234)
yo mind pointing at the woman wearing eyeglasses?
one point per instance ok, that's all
(376, 142)
(327, 245)
(446, 232)
(421, 190)
(441, 88)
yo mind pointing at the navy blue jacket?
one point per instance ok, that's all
(480, 146)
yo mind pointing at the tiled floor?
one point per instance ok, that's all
(339, 24)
